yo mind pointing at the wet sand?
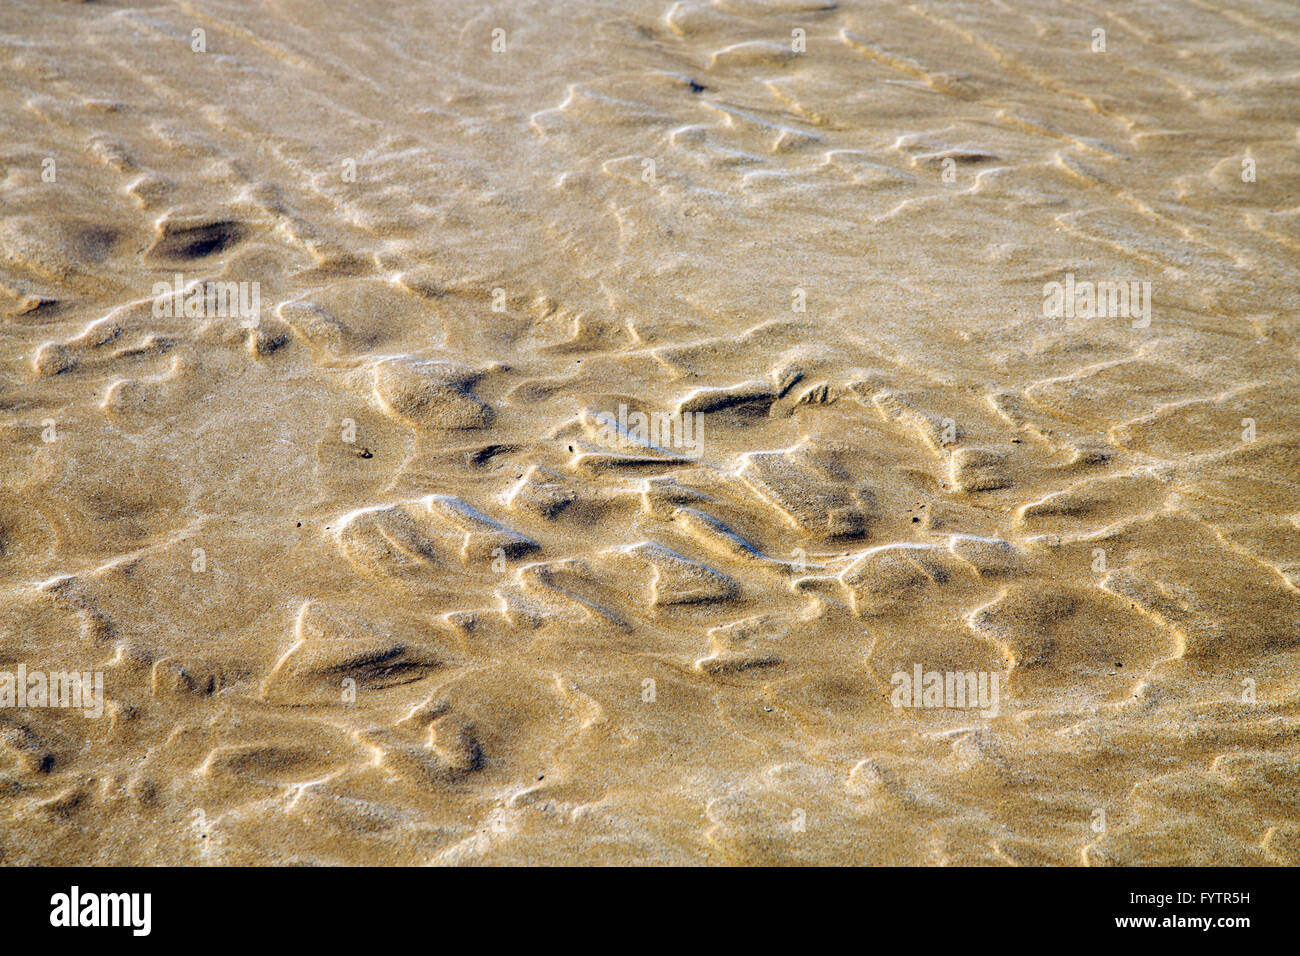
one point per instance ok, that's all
(628, 400)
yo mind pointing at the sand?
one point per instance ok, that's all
(629, 402)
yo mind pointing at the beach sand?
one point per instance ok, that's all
(628, 400)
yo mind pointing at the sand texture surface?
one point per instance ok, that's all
(628, 394)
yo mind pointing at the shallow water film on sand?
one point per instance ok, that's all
(727, 432)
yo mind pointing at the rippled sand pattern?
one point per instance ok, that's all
(375, 582)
